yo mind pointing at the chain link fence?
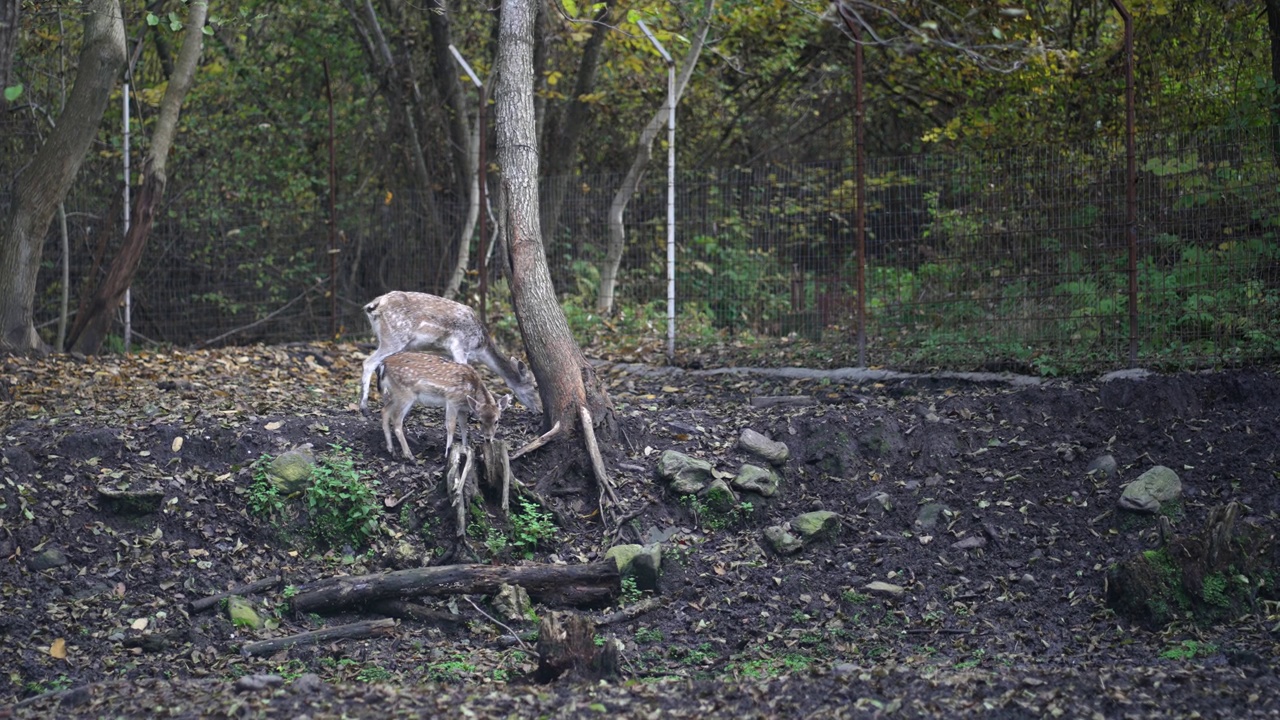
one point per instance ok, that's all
(1014, 259)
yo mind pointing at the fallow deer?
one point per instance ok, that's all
(418, 321)
(409, 378)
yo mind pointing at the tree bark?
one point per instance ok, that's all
(567, 645)
(44, 182)
(644, 152)
(9, 11)
(561, 150)
(93, 320)
(551, 584)
(355, 631)
(566, 380)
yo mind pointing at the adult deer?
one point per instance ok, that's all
(413, 378)
(418, 321)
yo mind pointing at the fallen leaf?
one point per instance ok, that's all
(59, 649)
(139, 624)
(177, 444)
(274, 425)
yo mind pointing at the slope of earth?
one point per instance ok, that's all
(968, 500)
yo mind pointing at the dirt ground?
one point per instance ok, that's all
(997, 610)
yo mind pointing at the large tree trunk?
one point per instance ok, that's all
(44, 182)
(93, 319)
(644, 151)
(561, 149)
(8, 43)
(566, 380)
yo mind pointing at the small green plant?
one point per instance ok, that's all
(264, 497)
(975, 657)
(854, 597)
(1189, 650)
(373, 674)
(530, 526)
(452, 670)
(342, 506)
(631, 593)
(649, 635)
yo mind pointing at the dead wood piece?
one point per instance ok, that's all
(355, 631)
(544, 583)
(632, 612)
(566, 644)
(542, 440)
(200, 605)
(593, 450)
(764, 401)
(405, 610)
(130, 502)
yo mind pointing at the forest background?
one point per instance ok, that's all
(327, 152)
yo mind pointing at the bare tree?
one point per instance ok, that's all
(566, 380)
(93, 319)
(564, 135)
(644, 152)
(44, 182)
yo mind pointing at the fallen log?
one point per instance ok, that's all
(199, 605)
(354, 631)
(551, 584)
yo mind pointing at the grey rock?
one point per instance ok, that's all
(876, 587)
(290, 470)
(307, 684)
(718, 497)
(782, 541)
(771, 450)
(47, 559)
(1103, 466)
(815, 525)
(928, 516)
(971, 542)
(512, 602)
(686, 475)
(1151, 490)
(242, 613)
(756, 479)
(878, 503)
(258, 682)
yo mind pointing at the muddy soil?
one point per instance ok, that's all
(968, 500)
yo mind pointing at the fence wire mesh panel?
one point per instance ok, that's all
(1014, 259)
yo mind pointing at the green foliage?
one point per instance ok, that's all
(341, 506)
(744, 288)
(374, 674)
(530, 525)
(631, 593)
(647, 635)
(1189, 650)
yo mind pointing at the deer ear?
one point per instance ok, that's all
(520, 366)
(504, 402)
(471, 401)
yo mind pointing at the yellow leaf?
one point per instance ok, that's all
(274, 425)
(139, 624)
(177, 444)
(59, 649)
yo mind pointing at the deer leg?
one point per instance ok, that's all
(401, 413)
(450, 418)
(370, 367)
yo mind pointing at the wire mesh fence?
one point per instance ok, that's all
(1015, 258)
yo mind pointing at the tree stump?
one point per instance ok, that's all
(1210, 576)
(567, 646)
